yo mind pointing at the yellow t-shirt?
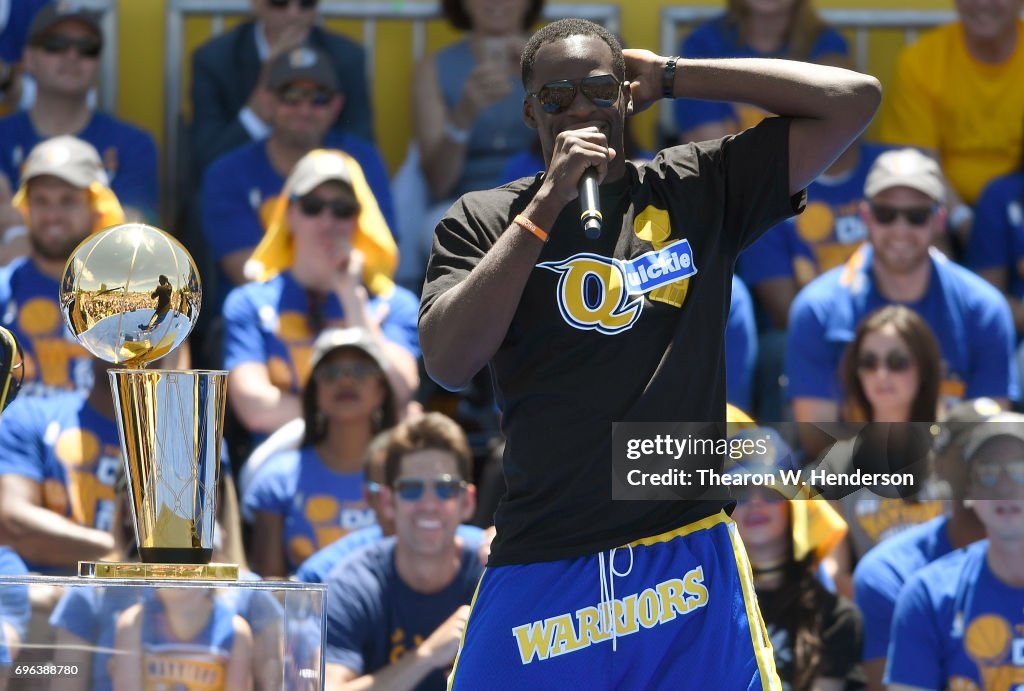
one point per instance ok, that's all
(971, 112)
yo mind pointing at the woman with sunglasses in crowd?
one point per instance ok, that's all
(891, 373)
(303, 500)
(815, 634)
(326, 260)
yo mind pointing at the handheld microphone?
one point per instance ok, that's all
(590, 202)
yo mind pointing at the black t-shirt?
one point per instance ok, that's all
(583, 352)
(841, 638)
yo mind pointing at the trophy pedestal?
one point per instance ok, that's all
(180, 572)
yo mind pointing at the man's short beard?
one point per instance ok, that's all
(58, 253)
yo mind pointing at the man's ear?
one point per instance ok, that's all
(469, 503)
(528, 117)
(337, 103)
(387, 503)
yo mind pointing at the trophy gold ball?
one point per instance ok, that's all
(130, 294)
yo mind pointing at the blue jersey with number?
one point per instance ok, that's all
(70, 449)
(128, 153)
(317, 504)
(957, 626)
(54, 361)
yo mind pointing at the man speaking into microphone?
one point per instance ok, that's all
(582, 591)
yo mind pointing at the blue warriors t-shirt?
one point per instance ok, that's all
(54, 361)
(70, 449)
(823, 237)
(318, 505)
(318, 567)
(970, 320)
(957, 626)
(997, 235)
(883, 571)
(373, 617)
(197, 664)
(270, 323)
(719, 38)
(128, 153)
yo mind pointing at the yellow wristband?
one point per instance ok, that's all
(535, 230)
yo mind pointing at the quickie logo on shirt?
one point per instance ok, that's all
(604, 294)
(567, 633)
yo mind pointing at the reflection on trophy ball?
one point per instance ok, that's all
(130, 294)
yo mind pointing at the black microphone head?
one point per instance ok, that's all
(592, 228)
(11, 370)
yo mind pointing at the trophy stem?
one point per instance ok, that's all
(171, 423)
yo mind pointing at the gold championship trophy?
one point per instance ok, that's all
(131, 294)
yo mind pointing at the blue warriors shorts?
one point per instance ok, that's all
(674, 611)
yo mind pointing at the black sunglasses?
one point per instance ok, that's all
(915, 216)
(304, 4)
(56, 43)
(312, 205)
(336, 371)
(445, 487)
(987, 474)
(601, 89)
(294, 95)
(894, 361)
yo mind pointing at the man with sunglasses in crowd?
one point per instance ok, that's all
(62, 55)
(579, 335)
(959, 622)
(904, 213)
(301, 99)
(398, 608)
(230, 71)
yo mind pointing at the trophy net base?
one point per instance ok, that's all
(181, 572)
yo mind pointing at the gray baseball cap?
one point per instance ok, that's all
(68, 158)
(302, 63)
(905, 168)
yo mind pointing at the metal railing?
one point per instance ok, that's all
(368, 12)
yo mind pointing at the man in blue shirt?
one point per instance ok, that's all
(959, 622)
(64, 197)
(301, 99)
(62, 55)
(398, 608)
(883, 571)
(904, 213)
(228, 74)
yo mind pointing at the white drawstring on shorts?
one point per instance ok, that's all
(608, 623)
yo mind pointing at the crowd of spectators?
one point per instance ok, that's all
(895, 298)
